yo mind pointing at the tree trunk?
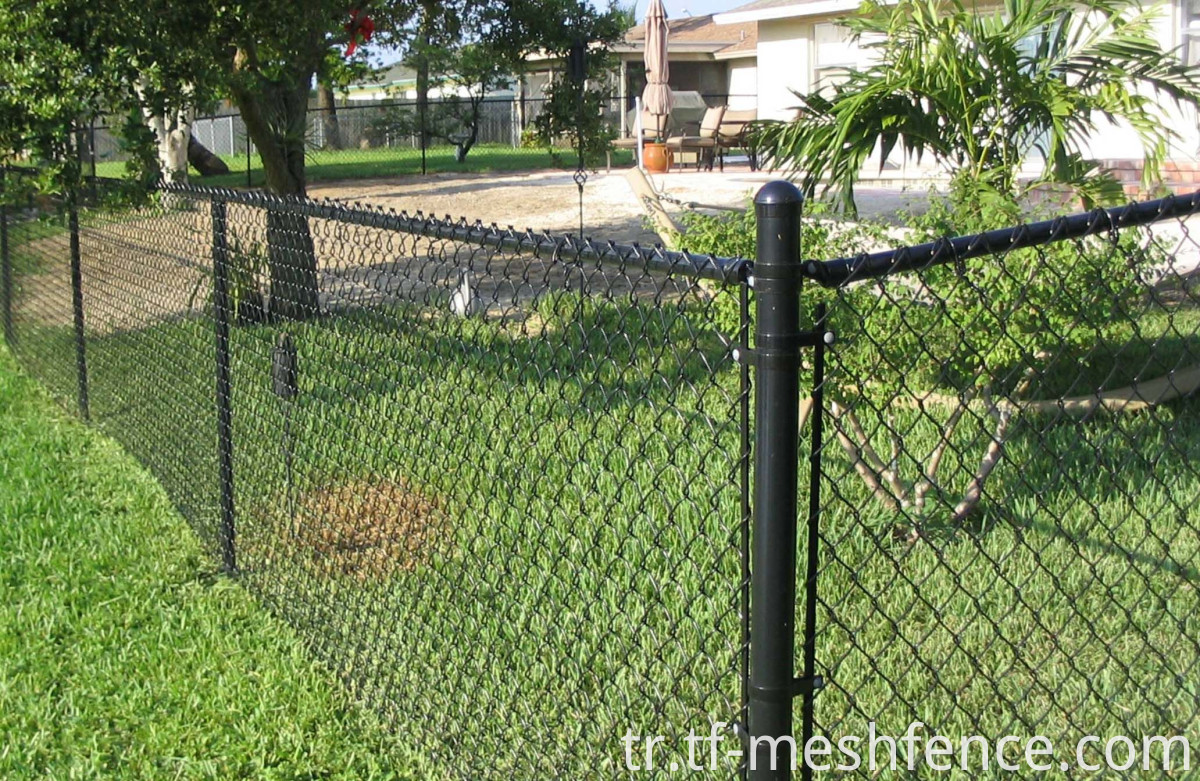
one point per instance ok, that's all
(172, 134)
(292, 262)
(465, 145)
(327, 106)
(424, 38)
(203, 160)
(276, 116)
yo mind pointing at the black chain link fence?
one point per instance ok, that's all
(1008, 519)
(501, 481)
(494, 478)
(389, 138)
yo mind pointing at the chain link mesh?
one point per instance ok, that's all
(499, 480)
(494, 478)
(1009, 486)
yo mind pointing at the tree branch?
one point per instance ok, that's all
(935, 458)
(991, 457)
(869, 476)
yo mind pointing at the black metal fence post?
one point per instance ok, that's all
(220, 253)
(810, 680)
(424, 108)
(776, 283)
(77, 302)
(95, 184)
(5, 264)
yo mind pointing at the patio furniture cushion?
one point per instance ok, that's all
(712, 121)
(653, 126)
(691, 142)
(732, 132)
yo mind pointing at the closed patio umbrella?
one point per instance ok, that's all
(656, 98)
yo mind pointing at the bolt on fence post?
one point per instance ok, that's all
(778, 206)
(5, 264)
(77, 302)
(220, 254)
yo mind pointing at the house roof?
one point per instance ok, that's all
(395, 75)
(763, 10)
(699, 34)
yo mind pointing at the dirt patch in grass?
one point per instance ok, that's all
(367, 529)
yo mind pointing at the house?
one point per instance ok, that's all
(715, 62)
(801, 47)
(399, 82)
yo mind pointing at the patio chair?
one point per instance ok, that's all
(703, 144)
(734, 134)
(654, 126)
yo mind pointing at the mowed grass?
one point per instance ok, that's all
(389, 162)
(587, 580)
(123, 654)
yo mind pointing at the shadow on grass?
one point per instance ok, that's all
(1121, 485)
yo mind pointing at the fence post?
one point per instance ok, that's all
(220, 254)
(77, 301)
(5, 263)
(776, 283)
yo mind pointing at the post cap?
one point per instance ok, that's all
(778, 193)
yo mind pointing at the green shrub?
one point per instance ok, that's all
(982, 323)
(733, 235)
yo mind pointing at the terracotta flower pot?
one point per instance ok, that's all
(656, 158)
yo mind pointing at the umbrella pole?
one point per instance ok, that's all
(637, 130)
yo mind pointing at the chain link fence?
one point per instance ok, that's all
(380, 139)
(1007, 539)
(502, 481)
(494, 478)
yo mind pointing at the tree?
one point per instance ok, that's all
(67, 60)
(336, 72)
(980, 92)
(64, 61)
(476, 45)
(473, 69)
(573, 108)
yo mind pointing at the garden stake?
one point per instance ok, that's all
(577, 58)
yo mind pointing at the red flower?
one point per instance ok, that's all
(360, 28)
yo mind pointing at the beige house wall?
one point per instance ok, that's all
(802, 54)
(743, 84)
(784, 64)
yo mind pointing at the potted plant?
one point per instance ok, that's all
(656, 158)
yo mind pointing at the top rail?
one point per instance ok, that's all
(727, 271)
(833, 273)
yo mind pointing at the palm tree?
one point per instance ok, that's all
(981, 92)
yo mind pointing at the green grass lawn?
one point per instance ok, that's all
(123, 654)
(580, 574)
(389, 162)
